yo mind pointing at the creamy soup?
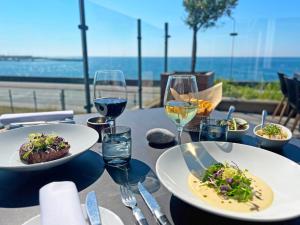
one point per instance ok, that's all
(262, 199)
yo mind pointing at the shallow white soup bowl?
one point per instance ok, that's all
(281, 174)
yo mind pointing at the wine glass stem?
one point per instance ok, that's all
(112, 123)
(179, 131)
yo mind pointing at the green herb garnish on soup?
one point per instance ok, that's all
(229, 181)
(271, 129)
(273, 132)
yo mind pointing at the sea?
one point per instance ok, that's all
(256, 69)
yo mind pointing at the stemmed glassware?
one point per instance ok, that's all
(180, 100)
(110, 94)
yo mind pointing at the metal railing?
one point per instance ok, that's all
(45, 93)
(140, 83)
(71, 80)
(84, 28)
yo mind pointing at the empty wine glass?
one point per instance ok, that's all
(180, 100)
(110, 94)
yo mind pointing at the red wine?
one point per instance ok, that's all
(110, 107)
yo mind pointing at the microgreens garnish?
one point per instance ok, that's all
(229, 181)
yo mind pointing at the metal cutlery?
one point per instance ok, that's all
(92, 208)
(153, 205)
(33, 123)
(230, 111)
(263, 118)
(129, 200)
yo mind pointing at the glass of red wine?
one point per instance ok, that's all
(110, 94)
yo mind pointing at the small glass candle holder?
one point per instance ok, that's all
(212, 129)
(98, 124)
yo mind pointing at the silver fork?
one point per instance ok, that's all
(129, 200)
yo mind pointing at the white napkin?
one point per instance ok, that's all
(38, 116)
(60, 204)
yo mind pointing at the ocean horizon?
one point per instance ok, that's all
(243, 68)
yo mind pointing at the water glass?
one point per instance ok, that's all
(213, 129)
(116, 145)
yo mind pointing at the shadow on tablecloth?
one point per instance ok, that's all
(136, 171)
(21, 189)
(290, 150)
(185, 214)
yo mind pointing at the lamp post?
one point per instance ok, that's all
(139, 39)
(233, 34)
(167, 36)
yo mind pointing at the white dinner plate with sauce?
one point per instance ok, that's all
(107, 218)
(80, 138)
(283, 176)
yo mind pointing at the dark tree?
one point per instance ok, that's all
(203, 14)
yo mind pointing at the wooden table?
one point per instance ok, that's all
(19, 191)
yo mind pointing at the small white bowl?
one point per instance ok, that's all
(236, 135)
(271, 143)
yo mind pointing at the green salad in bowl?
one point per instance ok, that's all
(237, 124)
(237, 127)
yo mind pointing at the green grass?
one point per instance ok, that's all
(262, 91)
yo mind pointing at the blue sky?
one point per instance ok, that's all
(49, 27)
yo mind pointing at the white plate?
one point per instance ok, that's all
(282, 174)
(107, 217)
(81, 138)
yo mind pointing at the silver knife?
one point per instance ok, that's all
(153, 205)
(92, 208)
(33, 123)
